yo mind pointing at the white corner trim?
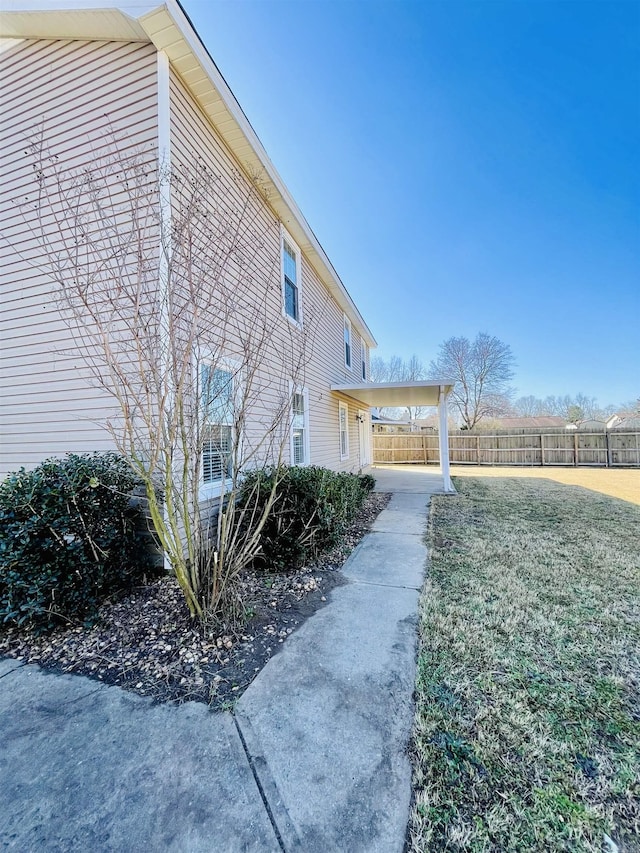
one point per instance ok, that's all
(164, 110)
(164, 193)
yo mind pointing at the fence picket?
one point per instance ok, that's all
(569, 448)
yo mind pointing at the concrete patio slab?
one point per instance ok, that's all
(389, 559)
(7, 665)
(417, 479)
(89, 767)
(396, 520)
(416, 502)
(329, 740)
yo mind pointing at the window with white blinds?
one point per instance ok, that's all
(300, 427)
(343, 416)
(217, 393)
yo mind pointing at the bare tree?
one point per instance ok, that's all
(628, 406)
(170, 286)
(481, 370)
(529, 407)
(572, 409)
(397, 369)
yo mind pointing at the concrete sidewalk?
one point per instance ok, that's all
(313, 759)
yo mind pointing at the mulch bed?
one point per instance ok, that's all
(146, 642)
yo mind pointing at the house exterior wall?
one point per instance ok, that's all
(192, 137)
(79, 94)
(84, 94)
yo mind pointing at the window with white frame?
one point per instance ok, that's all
(291, 279)
(363, 352)
(343, 417)
(300, 427)
(347, 342)
(217, 395)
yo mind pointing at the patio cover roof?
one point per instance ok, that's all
(380, 394)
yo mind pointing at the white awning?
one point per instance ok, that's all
(432, 392)
(381, 394)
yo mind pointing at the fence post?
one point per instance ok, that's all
(392, 448)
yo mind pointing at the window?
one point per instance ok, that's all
(300, 427)
(363, 350)
(217, 394)
(291, 279)
(343, 416)
(347, 342)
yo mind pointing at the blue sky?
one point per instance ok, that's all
(467, 166)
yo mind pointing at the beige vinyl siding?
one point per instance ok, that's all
(194, 141)
(328, 368)
(193, 136)
(81, 94)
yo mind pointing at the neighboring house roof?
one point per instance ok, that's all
(523, 423)
(169, 28)
(377, 419)
(619, 418)
(631, 422)
(429, 421)
(591, 424)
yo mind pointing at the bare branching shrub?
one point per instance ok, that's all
(169, 281)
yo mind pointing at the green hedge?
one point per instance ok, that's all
(67, 538)
(312, 510)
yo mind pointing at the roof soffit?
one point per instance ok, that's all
(392, 394)
(102, 24)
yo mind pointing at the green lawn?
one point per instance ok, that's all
(527, 734)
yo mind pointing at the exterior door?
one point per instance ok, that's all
(365, 438)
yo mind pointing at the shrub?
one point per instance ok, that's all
(67, 538)
(368, 482)
(312, 509)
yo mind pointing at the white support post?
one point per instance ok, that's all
(443, 438)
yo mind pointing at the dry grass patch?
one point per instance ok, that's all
(528, 704)
(617, 482)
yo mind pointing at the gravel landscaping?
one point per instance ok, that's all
(146, 642)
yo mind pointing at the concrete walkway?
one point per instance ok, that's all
(313, 759)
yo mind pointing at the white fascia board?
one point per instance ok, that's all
(381, 394)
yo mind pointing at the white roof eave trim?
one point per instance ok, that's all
(381, 394)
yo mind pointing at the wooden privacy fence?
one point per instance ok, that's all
(610, 449)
